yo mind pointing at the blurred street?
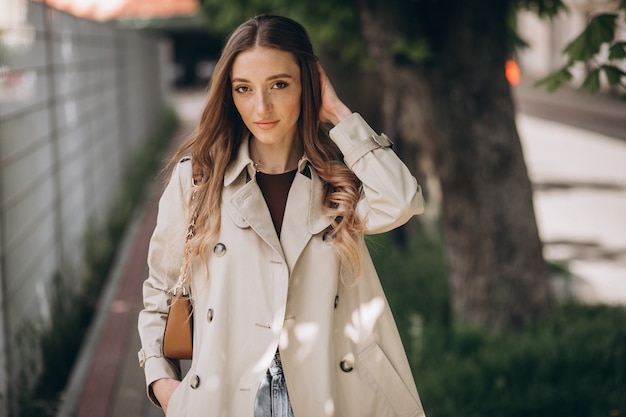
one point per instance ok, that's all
(579, 178)
(575, 150)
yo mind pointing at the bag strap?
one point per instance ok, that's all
(184, 268)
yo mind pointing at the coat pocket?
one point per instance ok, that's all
(378, 371)
(178, 403)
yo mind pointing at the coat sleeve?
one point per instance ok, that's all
(164, 260)
(391, 194)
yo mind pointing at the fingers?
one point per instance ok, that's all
(333, 110)
(323, 77)
(321, 69)
(163, 390)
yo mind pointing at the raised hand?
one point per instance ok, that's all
(333, 110)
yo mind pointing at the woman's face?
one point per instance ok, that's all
(266, 91)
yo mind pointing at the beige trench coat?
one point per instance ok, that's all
(340, 348)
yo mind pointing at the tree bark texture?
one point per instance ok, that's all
(456, 108)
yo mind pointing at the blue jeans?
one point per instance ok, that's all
(272, 399)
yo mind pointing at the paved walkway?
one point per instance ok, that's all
(575, 149)
(580, 203)
(580, 200)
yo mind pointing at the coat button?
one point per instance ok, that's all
(347, 365)
(219, 249)
(195, 382)
(209, 315)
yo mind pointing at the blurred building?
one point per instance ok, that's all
(194, 48)
(120, 9)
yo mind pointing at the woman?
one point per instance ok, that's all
(290, 318)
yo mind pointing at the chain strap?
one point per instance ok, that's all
(184, 268)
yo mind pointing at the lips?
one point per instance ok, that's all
(266, 124)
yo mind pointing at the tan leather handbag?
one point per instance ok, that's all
(178, 337)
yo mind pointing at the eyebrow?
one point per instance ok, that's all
(270, 78)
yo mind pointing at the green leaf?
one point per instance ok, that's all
(600, 30)
(613, 74)
(415, 50)
(617, 50)
(553, 81)
(592, 81)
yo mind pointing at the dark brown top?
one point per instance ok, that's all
(275, 188)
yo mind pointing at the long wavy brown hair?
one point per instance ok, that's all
(215, 143)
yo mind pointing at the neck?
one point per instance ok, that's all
(272, 159)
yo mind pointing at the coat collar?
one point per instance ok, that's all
(242, 162)
(244, 201)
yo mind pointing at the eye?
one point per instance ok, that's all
(241, 89)
(279, 85)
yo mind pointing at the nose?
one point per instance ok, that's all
(264, 102)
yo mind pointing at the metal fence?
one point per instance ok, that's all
(77, 99)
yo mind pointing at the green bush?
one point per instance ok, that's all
(414, 279)
(570, 364)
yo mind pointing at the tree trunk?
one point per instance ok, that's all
(466, 129)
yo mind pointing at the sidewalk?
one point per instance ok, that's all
(575, 150)
(579, 180)
(580, 201)
(591, 112)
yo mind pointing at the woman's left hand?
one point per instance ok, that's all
(333, 110)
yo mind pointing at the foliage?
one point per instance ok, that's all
(415, 282)
(414, 50)
(571, 364)
(329, 22)
(599, 49)
(72, 310)
(59, 345)
(336, 24)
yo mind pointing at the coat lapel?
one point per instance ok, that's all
(244, 200)
(303, 214)
(248, 208)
